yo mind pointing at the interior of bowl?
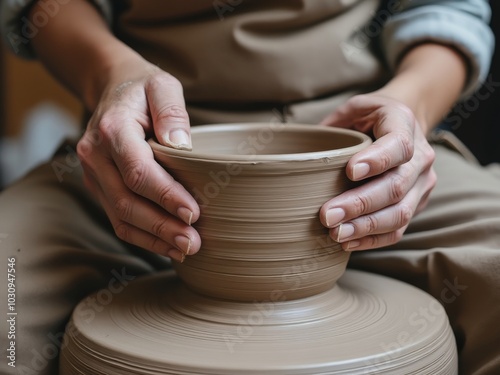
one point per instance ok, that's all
(271, 141)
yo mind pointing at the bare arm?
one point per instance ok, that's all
(79, 49)
(131, 100)
(429, 80)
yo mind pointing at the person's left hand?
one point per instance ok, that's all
(397, 170)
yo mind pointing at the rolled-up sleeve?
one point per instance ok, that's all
(461, 24)
(17, 30)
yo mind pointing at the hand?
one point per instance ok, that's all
(145, 205)
(396, 170)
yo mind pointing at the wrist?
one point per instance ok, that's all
(406, 89)
(112, 67)
(429, 80)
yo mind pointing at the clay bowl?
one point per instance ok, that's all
(260, 188)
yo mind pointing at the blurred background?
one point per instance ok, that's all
(36, 114)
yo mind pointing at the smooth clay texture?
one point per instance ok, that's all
(261, 296)
(365, 324)
(260, 188)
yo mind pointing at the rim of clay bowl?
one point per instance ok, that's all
(362, 141)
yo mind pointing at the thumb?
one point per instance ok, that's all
(353, 111)
(340, 117)
(168, 112)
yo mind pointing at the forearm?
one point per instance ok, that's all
(429, 79)
(79, 49)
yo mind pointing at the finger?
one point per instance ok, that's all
(392, 124)
(144, 176)
(136, 237)
(431, 184)
(394, 146)
(380, 222)
(374, 241)
(390, 188)
(354, 111)
(131, 212)
(139, 222)
(386, 221)
(168, 111)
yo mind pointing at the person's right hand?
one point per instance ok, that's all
(145, 205)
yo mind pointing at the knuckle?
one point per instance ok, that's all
(361, 204)
(429, 156)
(106, 126)
(162, 79)
(405, 215)
(122, 208)
(397, 189)
(377, 241)
(83, 149)
(106, 122)
(167, 195)
(122, 231)
(384, 159)
(90, 140)
(371, 224)
(372, 242)
(172, 113)
(160, 228)
(135, 175)
(406, 144)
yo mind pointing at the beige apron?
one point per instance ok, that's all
(248, 61)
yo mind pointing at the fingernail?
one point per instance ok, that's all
(185, 214)
(345, 231)
(352, 245)
(179, 138)
(334, 216)
(183, 243)
(176, 255)
(360, 171)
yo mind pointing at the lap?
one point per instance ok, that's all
(452, 250)
(64, 249)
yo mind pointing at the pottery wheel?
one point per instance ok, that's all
(366, 324)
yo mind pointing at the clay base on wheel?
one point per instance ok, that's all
(366, 324)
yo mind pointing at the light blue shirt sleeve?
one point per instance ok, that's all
(461, 24)
(17, 30)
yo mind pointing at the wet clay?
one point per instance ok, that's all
(261, 296)
(260, 189)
